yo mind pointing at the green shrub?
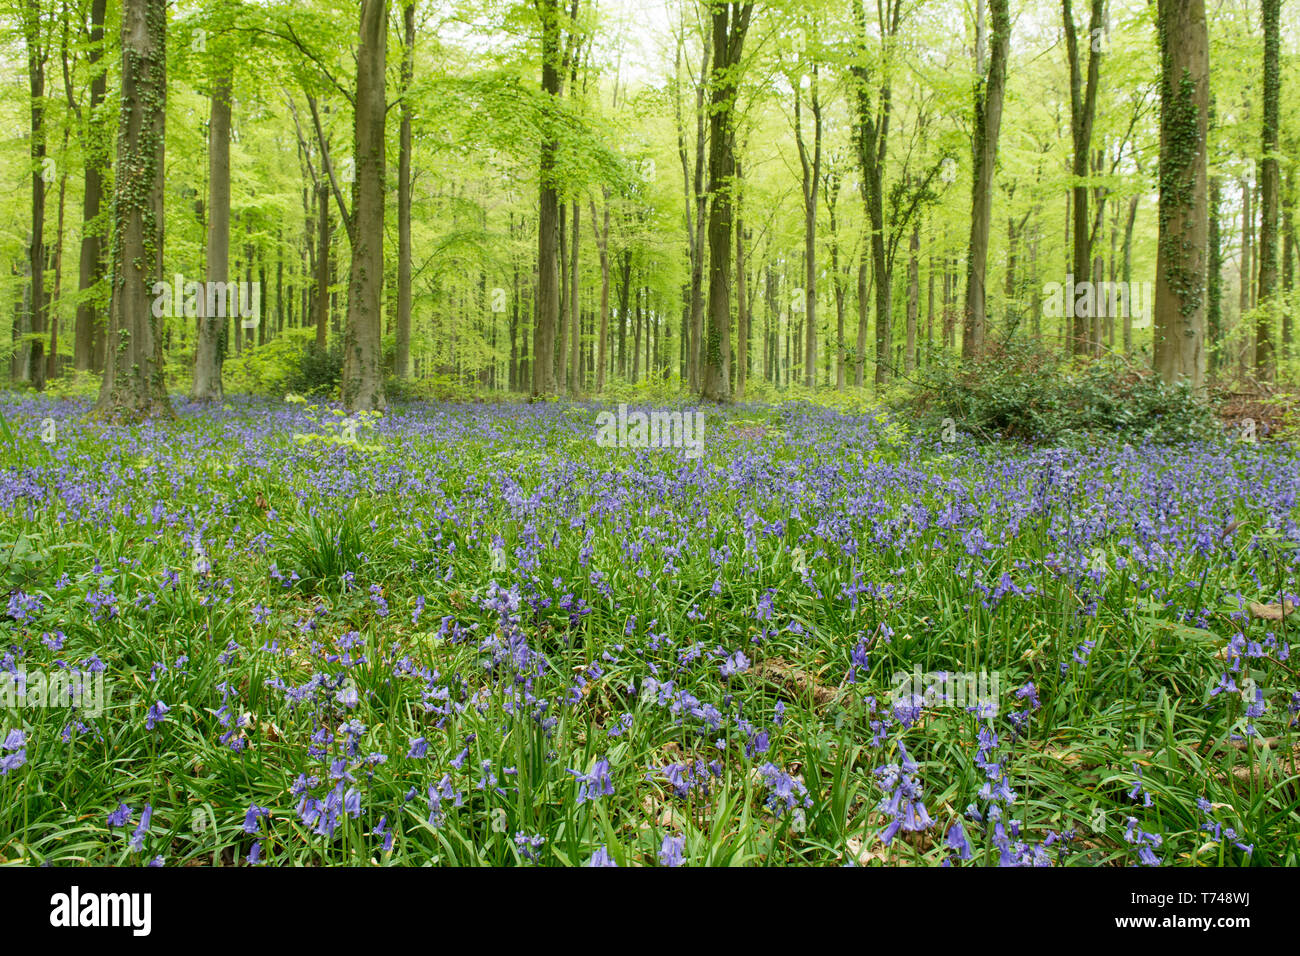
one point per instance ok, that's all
(1026, 393)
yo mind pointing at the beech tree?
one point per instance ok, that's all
(1184, 224)
(730, 25)
(363, 380)
(133, 385)
(990, 88)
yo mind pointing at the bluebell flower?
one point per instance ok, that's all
(142, 830)
(156, 714)
(670, 851)
(600, 858)
(594, 784)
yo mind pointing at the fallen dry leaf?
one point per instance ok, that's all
(1271, 612)
(793, 682)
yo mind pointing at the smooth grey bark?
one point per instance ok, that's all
(133, 385)
(402, 359)
(208, 356)
(363, 380)
(730, 22)
(90, 267)
(989, 92)
(1179, 311)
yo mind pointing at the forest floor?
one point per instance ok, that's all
(467, 634)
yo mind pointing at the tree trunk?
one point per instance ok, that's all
(363, 379)
(1184, 116)
(730, 24)
(602, 335)
(52, 360)
(812, 170)
(1245, 275)
(864, 294)
(90, 268)
(695, 203)
(133, 386)
(913, 296)
(989, 91)
(1213, 283)
(742, 301)
(209, 353)
(871, 134)
(575, 317)
(548, 217)
(402, 357)
(1269, 183)
(36, 56)
(323, 255)
(1083, 111)
(1288, 262)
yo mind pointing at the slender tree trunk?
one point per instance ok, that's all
(1288, 263)
(1184, 118)
(36, 56)
(562, 345)
(133, 385)
(52, 360)
(323, 256)
(1083, 111)
(1269, 183)
(812, 169)
(695, 204)
(730, 24)
(989, 92)
(211, 324)
(363, 380)
(837, 277)
(1245, 276)
(1213, 282)
(913, 296)
(548, 219)
(90, 267)
(929, 306)
(742, 300)
(871, 132)
(864, 306)
(602, 335)
(402, 358)
(575, 316)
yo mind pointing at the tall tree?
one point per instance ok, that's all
(871, 137)
(730, 25)
(601, 233)
(363, 380)
(548, 217)
(1269, 192)
(90, 266)
(1213, 282)
(1179, 311)
(574, 377)
(990, 88)
(402, 359)
(810, 161)
(1083, 112)
(133, 385)
(211, 323)
(695, 195)
(37, 54)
